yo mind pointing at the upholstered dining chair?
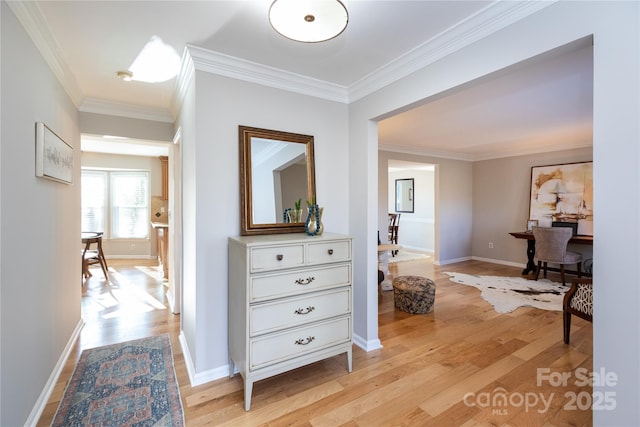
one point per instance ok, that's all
(551, 246)
(577, 301)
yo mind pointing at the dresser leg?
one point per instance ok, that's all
(349, 360)
(248, 388)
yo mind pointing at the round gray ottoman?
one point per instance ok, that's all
(414, 294)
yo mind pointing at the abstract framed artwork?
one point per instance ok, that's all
(563, 193)
(54, 157)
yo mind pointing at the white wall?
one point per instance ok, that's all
(104, 124)
(40, 278)
(615, 29)
(211, 192)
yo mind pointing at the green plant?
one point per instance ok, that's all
(312, 202)
(298, 203)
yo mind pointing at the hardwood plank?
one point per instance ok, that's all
(427, 365)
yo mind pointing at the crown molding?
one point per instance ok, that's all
(32, 20)
(490, 19)
(528, 151)
(100, 106)
(417, 151)
(183, 80)
(253, 72)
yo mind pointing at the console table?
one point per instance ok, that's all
(531, 247)
(383, 260)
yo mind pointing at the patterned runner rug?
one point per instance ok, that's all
(127, 384)
(508, 293)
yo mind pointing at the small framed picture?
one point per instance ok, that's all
(532, 223)
(54, 157)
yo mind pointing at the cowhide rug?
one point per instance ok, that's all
(508, 293)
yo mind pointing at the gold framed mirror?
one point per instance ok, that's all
(276, 171)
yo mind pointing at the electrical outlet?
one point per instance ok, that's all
(490, 245)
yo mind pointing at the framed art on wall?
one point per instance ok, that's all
(54, 157)
(563, 193)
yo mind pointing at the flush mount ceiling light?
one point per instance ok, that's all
(157, 62)
(308, 21)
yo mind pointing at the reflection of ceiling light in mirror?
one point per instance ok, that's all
(157, 62)
(308, 20)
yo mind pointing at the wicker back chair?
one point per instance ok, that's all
(577, 301)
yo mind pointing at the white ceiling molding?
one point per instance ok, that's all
(253, 72)
(183, 79)
(100, 106)
(30, 16)
(528, 151)
(505, 152)
(490, 19)
(429, 152)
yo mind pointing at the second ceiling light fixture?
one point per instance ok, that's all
(308, 21)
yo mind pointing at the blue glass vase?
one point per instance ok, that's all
(313, 226)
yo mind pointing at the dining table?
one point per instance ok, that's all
(531, 247)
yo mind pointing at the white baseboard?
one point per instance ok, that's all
(498, 261)
(195, 378)
(452, 261)
(417, 248)
(367, 345)
(108, 257)
(37, 410)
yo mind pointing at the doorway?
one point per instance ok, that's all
(132, 243)
(416, 230)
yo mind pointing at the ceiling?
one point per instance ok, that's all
(541, 105)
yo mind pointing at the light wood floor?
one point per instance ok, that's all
(462, 365)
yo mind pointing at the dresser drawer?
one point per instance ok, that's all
(277, 257)
(326, 252)
(273, 316)
(278, 347)
(269, 286)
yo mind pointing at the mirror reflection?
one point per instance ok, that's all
(277, 178)
(404, 195)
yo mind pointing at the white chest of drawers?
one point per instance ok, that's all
(290, 303)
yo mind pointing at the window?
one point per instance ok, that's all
(94, 185)
(116, 203)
